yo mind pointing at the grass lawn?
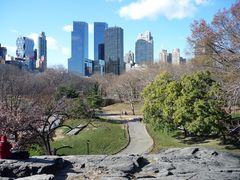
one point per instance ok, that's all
(236, 114)
(104, 138)
(176, 140)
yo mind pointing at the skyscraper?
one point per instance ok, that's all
(25, 53)
(113, 41)
(163, 56)
(79, 48)
(129, 60)
(99, 28)
(176, 56)
(129, 57)
(25, 47)
(144, 48)
(169, 58)
(42, 52)
(3, 52)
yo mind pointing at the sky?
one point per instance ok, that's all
(168, 21)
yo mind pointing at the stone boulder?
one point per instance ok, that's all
(176, 163)
(31, 166)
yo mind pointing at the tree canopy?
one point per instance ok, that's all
(193, 103)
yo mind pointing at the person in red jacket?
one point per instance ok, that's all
(5, 148)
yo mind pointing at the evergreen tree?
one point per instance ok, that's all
(94, 99)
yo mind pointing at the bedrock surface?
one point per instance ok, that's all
(176, 163)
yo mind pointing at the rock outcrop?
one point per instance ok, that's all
(177, 163)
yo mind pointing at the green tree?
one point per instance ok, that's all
(67, 91)
(155, 111)
(79, 108)
(194, 103)
(199, 106)
(94, 100)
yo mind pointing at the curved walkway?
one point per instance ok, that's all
(140, 141)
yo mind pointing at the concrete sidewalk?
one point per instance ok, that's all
(140, 141)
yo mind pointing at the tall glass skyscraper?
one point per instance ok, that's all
(25, 47)
(79, 48)
(144, 48)
(113, 42)
(3, 52)
(99, 28)
(25, 52)
(42, 52)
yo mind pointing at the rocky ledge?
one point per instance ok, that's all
(177, 163)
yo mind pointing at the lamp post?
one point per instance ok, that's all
(88, 146)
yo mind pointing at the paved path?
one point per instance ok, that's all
(140, 141)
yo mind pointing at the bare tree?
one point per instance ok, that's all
(29, 111)
(217, 47)
(128, 87)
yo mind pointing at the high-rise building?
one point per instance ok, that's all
(176, 56)
(42, 52)
(25, 47)
(169, 58)
(99, 28)
(3, 53)
(129, 57)
(144, 48)
(129, 60)
(183, 60)
(25, 53)
(163, 56)
(101, 52)
(99, 65)
(113, 45)
(79, 48)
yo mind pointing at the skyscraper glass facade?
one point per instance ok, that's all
(113, 46)
(99, 28)
(42, 52)
(144, 48)
(3, 52)
(25, 47)
(79, 48)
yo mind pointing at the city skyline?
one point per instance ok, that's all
(167, 20)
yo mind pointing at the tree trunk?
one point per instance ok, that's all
(132, 108)
(223, 135)
(45, 144)
(15, 136)
(224, 138)
(49, 151)
(185, 132)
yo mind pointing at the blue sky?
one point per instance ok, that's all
(168, 21)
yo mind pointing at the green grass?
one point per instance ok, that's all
(236, 114)
(176, 140)
(73, 123)
(163, 140)
(104, 138)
